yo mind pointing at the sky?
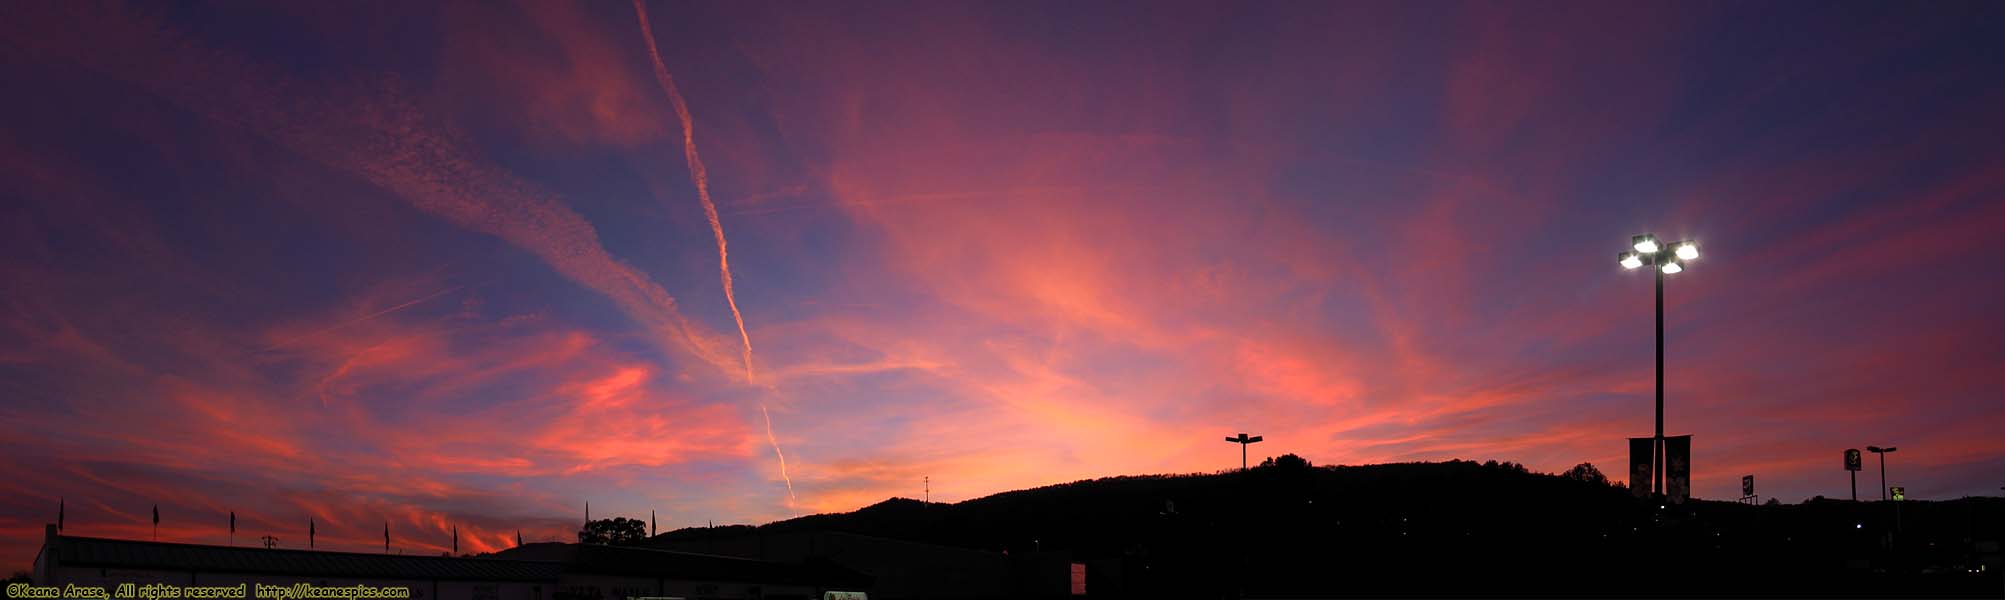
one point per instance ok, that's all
(475, 265)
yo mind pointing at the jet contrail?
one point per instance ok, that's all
(376, 134)
(702, 179)
(364, 318)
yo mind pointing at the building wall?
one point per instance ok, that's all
(569, 587)
(583, 586)
(111, 577)
(903, 570)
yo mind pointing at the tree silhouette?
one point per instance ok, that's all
(1285, 461)
(1585, 472)
(619, 531)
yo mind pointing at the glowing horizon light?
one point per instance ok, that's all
(1631, 260)
(1688, 251)
(1672, 268)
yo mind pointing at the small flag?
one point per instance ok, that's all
(233, 522)
(386, 537)
(156, 515)
(59, 514)
(455, 538)
(309, 532)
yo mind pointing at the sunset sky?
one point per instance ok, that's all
(439, 265)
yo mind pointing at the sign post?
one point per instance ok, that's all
(1853, 462)
(1747, 490)
(1899, 493)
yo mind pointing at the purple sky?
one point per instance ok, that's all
(459, 264)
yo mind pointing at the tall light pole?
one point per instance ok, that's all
(1665, 260)
(1242, 440)
(1883, 466)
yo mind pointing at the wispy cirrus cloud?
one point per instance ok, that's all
(433, 287)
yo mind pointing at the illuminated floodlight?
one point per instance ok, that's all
(1630, 260)
(1666, 259)
(1645, 243)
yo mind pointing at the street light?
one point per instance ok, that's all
(1883, 466)
(1646, 251)
(1686, 251)
(1242, 440)
(1645, 243)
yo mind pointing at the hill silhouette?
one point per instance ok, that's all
(1441, 528)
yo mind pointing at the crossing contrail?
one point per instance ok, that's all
(362, 318)
(702, 179)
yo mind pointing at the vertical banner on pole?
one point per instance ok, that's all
(1640, 473)
(1678, 467)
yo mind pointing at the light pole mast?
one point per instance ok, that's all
(1665, 260)
(1242, 440)
(1658, 460)
(1883, 466)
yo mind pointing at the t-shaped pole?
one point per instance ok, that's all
(1242, 440)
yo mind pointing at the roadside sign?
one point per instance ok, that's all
(1852, 460)
(1900, 493)
(1746, 485)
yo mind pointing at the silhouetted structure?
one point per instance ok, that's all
(1457, 528)
(1852, 465)
(1662, 260)
(1883, 466)
(545, 571)
(1242, 440)
(900, 568)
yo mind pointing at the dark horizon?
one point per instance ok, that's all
(465, 267)
(1286, 528)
